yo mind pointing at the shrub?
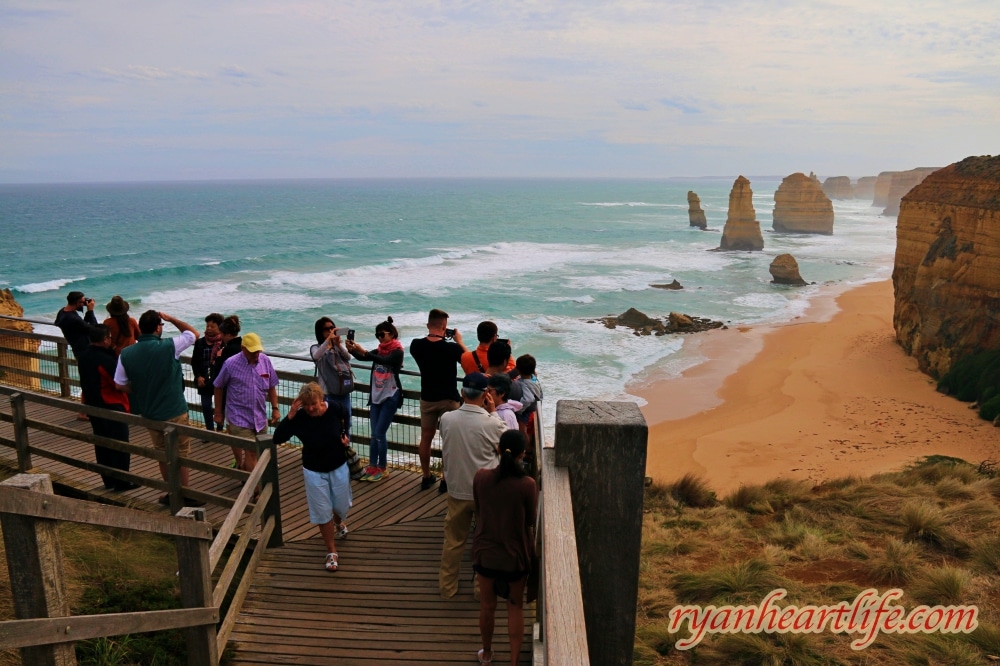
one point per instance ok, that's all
(896, 564)
(746, 580)
(927, 523)
(693, 491)
(945, 585)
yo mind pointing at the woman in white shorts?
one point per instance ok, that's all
(319, 425)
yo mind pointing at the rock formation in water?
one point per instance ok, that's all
(696, 215)
(903, 182)
(947, 271)
(785, 270)
(882, 184)
(742, 231)
(10, 306)
(865, 188)
(673, 285)
(800, 206)
(642, 324)
(838, 187)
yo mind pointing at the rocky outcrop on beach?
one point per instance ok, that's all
(9, 306)
(742, 231)
(801, 206)
(947, 271)
(903, 182)
(838, 187)
(882, 184)
(642, 324)
(865, 187)
(696, 215)
(785, 270)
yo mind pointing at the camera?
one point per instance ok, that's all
(350, 334)
(449, 333)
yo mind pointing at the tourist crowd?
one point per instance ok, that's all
(486, 429)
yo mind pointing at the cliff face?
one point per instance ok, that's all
(9, 306)
(696, 216)
(838, 187)
(882, 183)
(865, 188)
(947, 271)
(903, 182)
(742, 231)
(800, 206)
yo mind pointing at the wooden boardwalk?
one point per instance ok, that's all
(381, 607)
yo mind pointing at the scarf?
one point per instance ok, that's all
(215, 346)
(390, 345)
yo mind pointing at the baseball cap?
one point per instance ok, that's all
(475, 380)
(251, 342)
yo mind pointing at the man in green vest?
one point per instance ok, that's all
(150, 372)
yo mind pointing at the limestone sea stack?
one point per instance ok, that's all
(865, 188)
(785, 270)
(696, 215)
(947, 271)
(9, 306)
(903, 182)
(838, 187)
(882, 183)
(742, 231)
(801, 206)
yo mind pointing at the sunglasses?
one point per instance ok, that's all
(381, 334)
(328, 328)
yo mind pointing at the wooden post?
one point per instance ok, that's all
(62, 356)
(196, 591)
(34, 562)
(603, 446)
(274, 503)
(173, 469)
(19, 418)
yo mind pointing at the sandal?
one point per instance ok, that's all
(332, 564)
(483, 659)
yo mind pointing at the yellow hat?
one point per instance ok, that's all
(251, 342)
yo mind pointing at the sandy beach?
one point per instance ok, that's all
(818, 398)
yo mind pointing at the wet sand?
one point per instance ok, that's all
(818, 398)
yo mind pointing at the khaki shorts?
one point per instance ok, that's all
(183, 441)
(430, 412)
(246, 433)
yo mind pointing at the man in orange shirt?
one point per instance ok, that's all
(475, 360)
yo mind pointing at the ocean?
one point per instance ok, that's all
(541, 258)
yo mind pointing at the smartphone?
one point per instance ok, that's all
(449, 333)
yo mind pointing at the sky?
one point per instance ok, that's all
(108, 90)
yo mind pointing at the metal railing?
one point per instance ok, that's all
(42, 362)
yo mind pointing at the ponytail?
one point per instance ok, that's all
(512, 445)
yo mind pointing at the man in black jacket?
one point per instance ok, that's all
(76, 329)
(97, 364)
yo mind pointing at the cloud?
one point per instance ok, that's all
(558, 88)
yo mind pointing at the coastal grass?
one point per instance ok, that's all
(114, 571)
(930, 530)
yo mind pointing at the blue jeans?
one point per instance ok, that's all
(208, 412)
(345, 403)
(381, 418)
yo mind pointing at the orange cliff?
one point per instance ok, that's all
(947, 271)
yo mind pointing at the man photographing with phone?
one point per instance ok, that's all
(76, 329)
(437, 357)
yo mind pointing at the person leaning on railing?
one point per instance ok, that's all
(386, 393)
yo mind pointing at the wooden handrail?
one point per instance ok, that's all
(47, 630)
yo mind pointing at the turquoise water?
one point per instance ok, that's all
(538, 257)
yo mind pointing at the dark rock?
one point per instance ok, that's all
(642, 324)
(673, 285)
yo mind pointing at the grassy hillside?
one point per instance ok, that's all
(932, 531)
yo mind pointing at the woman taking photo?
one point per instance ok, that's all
(503, 545)
(386, 393)
(124, 329)
(333, 367)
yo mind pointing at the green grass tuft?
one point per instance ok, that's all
(897, 564)
(692, 490)
(733, 583)
(944, 585)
